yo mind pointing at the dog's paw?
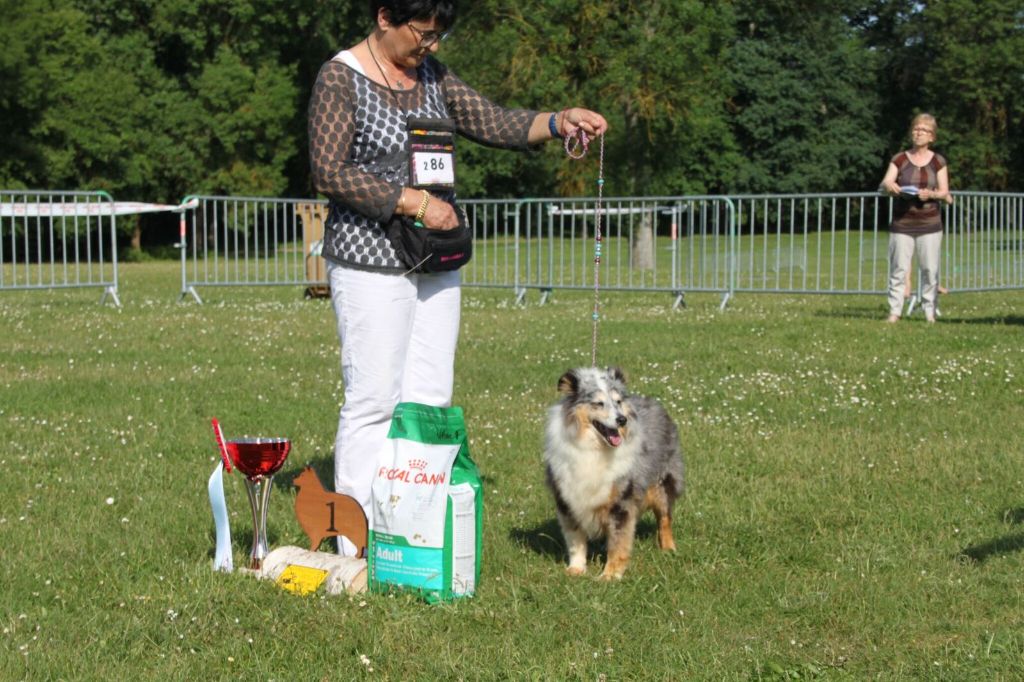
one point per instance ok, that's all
(609, 576)
(665, 540)
(575, 570)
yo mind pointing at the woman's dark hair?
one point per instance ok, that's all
(401, 11)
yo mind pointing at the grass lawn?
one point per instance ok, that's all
(855, 503)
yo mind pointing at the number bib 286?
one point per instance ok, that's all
(431, 153)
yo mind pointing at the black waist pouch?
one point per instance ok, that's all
(422, 249)
(431, 149)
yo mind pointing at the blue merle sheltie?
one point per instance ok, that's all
(610, 456)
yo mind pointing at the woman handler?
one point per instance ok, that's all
(398, 329)
(919, 179)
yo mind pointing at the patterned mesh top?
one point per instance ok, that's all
(911, 215)
(357, 148)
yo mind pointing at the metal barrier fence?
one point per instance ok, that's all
(251, 241)
(670, 244)
(838, 243)
(983, 248)
(824, 243)
(51, 240)
(814, 243)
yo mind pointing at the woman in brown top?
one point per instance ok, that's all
(398, 329)
(919, 180)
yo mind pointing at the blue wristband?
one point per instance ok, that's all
(551, 126)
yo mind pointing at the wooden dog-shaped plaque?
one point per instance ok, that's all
(323, 514)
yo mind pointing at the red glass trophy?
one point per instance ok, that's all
(259, 459)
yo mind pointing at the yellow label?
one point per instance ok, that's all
(301, 579)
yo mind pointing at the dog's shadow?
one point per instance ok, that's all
(872, 312)
(1001, 546)
(546, 539)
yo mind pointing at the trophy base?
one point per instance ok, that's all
(343, 575)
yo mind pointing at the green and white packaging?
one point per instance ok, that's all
(426, 533)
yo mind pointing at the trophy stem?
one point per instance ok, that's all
(259, 497)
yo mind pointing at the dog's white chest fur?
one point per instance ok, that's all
(585, 471)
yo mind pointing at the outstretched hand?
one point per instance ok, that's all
(892, 188)
(591, 122)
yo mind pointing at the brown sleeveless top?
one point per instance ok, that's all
(911, 215)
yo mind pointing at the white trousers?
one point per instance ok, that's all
(901, 256)
(398, 335)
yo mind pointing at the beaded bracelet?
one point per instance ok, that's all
(552, 127)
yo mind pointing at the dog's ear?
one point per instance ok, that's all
(616, 373)
(569, 383)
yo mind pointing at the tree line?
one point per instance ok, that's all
(156, 99)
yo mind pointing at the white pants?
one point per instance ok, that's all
(901, 256)
(398, 335)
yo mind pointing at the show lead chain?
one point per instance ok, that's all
(576, 146)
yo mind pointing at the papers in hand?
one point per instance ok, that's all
(908, 191)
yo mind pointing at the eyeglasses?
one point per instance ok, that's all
(428, 38)
(921, 129)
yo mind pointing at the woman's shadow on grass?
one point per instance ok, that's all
(878, 313)
(1009, 320)
(1001, 546)
(872, 312)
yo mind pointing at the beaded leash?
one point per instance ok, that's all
(576, 146)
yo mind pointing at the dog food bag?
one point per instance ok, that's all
(427, 506)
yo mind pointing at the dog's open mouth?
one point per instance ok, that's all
(612, 436)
